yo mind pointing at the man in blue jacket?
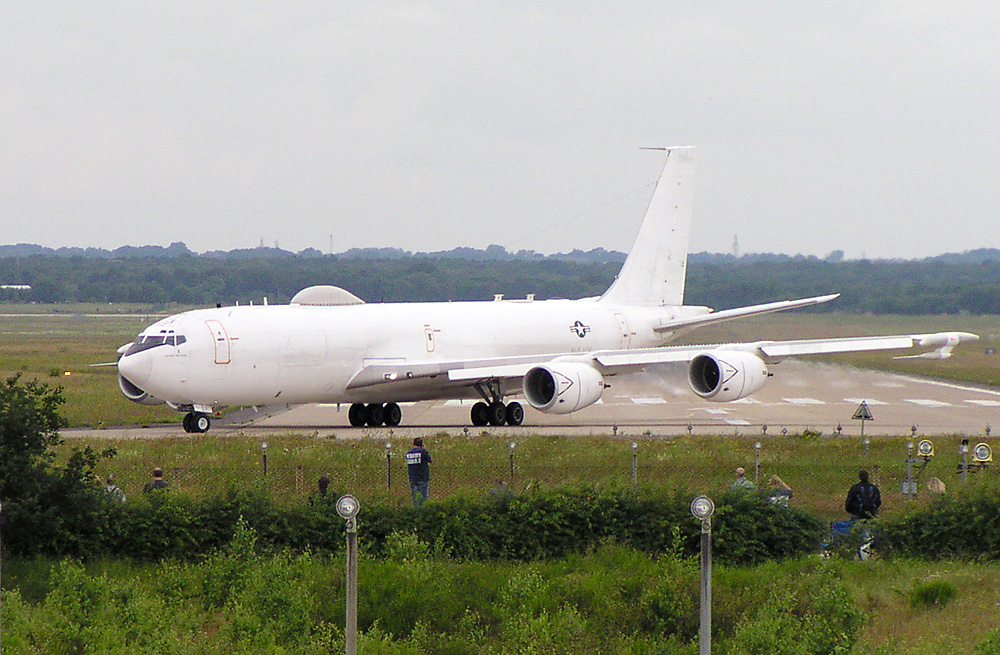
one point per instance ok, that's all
(418, 467)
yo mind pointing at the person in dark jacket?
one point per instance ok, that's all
(863, 499)
(418, 468)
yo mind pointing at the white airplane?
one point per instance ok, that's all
(328, 346)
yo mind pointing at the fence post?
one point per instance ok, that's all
(388, 466)
(512, 446)
(635, 464)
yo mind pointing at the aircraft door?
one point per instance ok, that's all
(430, 342)
(623, 330)
(221, 340)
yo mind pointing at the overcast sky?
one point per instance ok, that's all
(870, 127)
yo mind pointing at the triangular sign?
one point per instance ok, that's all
(863, 413)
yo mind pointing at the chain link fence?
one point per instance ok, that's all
(819, 470)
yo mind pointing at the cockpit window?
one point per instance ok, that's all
(147, 341)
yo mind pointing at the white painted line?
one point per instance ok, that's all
(924, 402)
(649, 401)
(950, 385)
(737, 421)
(985, 403)
(454, 402)
(746, 401)
(717, 411)
(867, 401)
(803, 401)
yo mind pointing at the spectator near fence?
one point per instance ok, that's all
(113, 491)
(741, 483)
(863, 498)
(418, 468)
(157, 482)
(780, 491)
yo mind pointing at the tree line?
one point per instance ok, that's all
(928, 286)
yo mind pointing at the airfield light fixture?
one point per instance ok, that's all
(925, 449)
(913, 431)
(263, 456)
(702, 508)
(348, 506)
(982, 453)
(763, 429)
(635, 462)
(388, 465)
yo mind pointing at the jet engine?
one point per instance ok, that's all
(135, 394)
(726, 375)
(562, 387)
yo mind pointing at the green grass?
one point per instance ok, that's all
(819, 469)
(611, 600)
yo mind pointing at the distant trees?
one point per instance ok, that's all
(943, 285)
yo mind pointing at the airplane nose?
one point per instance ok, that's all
(137, 368)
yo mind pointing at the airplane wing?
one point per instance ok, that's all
(610, 362)
(685, 324)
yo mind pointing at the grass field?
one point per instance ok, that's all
(45, 345)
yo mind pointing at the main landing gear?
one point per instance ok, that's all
(493, 411)
(496, 413)
(197, 422)
(374, 415)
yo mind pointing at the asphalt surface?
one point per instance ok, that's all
(800, 396)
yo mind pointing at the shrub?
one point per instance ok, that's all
(936, 593)
(963, 525)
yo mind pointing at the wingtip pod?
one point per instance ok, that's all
(942, 342)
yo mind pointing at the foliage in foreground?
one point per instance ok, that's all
(612, 600)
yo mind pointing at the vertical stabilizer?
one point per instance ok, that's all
(653, 273)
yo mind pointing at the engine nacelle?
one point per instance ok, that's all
(562, 387)
(135, 394)
(726, 375)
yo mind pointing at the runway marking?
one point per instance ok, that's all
(716, 411)
(803, 401)
(648, 401)
(868, 401)
(737, 421)
(951, 385)
(925, 402)
(985, 403)
(454, 402)
(746, 401)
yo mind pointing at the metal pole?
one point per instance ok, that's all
(388, 466)
(351, 637)
(702, 507)
(263, 455)
(756, 462)
(909, 471)
(964, 449)
(705, 622)
(512, 446)
(635, 463)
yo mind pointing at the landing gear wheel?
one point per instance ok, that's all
(357, 415)
(393, 415)
(197, 422)
(497, 414)
(376, 415)
(515, 414)
(187, 422)
(480, 414)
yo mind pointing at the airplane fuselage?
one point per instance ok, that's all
(260, 355)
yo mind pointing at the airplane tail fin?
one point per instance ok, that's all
(654, 272)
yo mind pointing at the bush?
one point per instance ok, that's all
(966, 525)
(936, 593)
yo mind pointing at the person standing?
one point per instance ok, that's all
(863, 498)
(113, 491)
(418, 468)
(741, 483)
(157, 482)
